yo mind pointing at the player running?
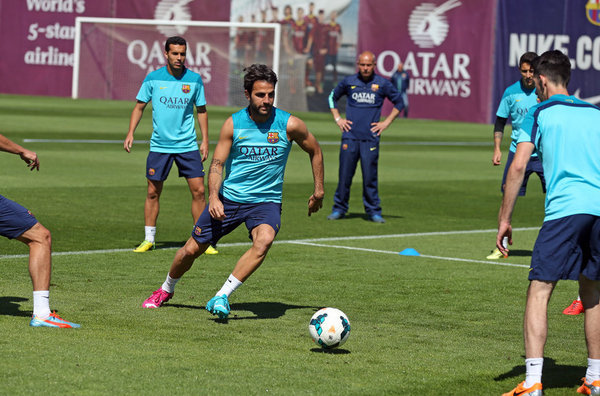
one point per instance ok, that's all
(253, 149)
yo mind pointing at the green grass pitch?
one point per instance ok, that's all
(446, 323)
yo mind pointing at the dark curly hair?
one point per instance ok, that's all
(258, 72)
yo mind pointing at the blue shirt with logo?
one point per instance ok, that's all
(566, 134)
(364, 102)
(515, 104)
(256, 162)
(173, 100)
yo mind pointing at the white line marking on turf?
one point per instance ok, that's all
(322, 143)
(421, 255)
(311, 241)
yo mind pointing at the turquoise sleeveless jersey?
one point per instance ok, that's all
(256, 163)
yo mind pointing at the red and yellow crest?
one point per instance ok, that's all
(345, 146)
(197, 230)
(273, 137)
(186, 88)
(374, 87)
(151, 171)
(592, 11)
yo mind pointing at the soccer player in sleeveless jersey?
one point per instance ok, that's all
(252, 151)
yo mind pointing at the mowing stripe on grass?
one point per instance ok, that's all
(313, 240)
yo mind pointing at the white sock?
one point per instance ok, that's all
(169, 284)
(41, 303)
(505, 242)
(150, 233)
(533, 371)
(593, 370)
(229, 286)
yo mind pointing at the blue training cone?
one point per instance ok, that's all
(409, 252)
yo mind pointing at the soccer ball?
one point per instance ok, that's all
(329, 328)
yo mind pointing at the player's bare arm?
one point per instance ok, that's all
(342, 123)
(514, 179)
(203, 123)
(297, 131)
(136, 116)
(380, 126)
(215, 170)
(498, 134)
(30, 158)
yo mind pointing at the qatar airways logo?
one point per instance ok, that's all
(174, 102)
(364, 97)
(259, 153)
(427, 24)
(173, 10)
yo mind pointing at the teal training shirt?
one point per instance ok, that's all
(256, 162)
(515, 104)
(173, 100)
(566, 134)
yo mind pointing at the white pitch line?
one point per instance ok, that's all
(420, 255)
(300, 241)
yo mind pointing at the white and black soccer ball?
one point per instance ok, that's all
(329, 328)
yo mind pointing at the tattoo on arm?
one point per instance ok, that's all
(216, 166)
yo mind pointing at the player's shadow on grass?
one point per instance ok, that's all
(169, 244)
(367, 217)
(261, 310)
(555, 375)
(519, 253)
(336, 351)
(10, 306)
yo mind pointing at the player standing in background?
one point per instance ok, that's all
(516, 101)
(18, 223)
(566, 133)
(334, 42)
(401, 79)
(361, 131)
(174, 91)
(253, 146)
(316, 45)
(299, 38)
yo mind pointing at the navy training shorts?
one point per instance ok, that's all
(158, 165)
(209, 230)
(14, 219)
(533, 166)
(567, 247)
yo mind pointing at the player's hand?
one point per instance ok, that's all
(314, 204)
(344, 124)
(497, 158)
(216, 209)
(31, 159)
(504, 230)
(378, 127)
(204, 150)
(128, 143)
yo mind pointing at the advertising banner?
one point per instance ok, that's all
(540, 25)
(445, 46)
(38, 35)
(37, 43)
